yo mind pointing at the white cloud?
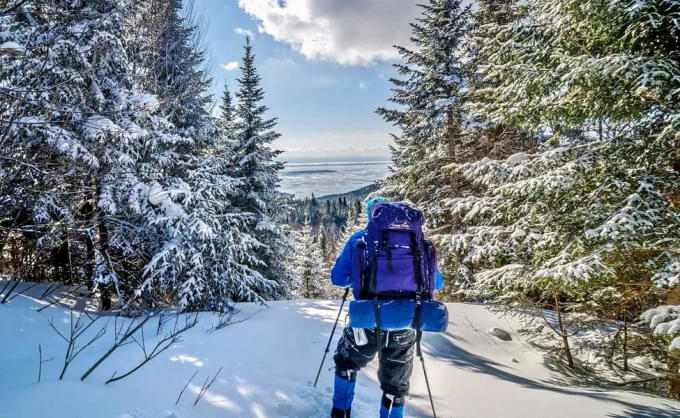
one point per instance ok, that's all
(244, 32)
(230, 66)
(357, 32)
(363, 85)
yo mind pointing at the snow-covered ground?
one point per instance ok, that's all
(268, 364)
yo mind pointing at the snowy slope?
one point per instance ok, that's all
(269, 362)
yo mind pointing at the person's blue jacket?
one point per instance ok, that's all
(341, 273)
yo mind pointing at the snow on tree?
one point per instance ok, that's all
(585, 228)
(117, 174)
(310, 280)
(79, 125)
(257, 166)
(204, 253)
(436, 127)
(428, 98)
(227, 112)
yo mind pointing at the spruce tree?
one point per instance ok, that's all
(586, 229)
(207, 236)
(227, 112)
(82, 126)
(310, 281)
(257, 166)
(436, 126)
(429, 96)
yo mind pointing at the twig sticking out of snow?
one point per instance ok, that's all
(166, 342)
(41, 361)
(226, 318)
(186, 386)
(120, 341)
(206, 386)
(223, 320)
(76, 330)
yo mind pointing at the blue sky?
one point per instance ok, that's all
(324, 65)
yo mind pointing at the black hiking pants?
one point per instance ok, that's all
(395, 354)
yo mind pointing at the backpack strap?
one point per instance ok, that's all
(385, 242)
(417, 264)
(418, 271)
(378, 325)
(363, 268)
(373, 280)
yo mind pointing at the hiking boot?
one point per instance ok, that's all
(392, 406)
(337, 413)
(343, 392)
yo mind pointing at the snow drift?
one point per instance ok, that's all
(268, 362)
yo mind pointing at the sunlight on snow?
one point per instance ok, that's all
(183, 358)
(217, 400)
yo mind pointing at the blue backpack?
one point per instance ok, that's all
(394, 261)
(393, 273)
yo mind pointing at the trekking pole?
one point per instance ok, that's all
(344, 298)
(427, 381)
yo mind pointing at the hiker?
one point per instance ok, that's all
(380, 264)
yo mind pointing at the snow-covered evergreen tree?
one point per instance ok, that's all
(308, 265)
(259, 170)
(206, 246)
(585, 226)
(114, 170)
(227, 111)
(429, 99)
(436, 127)
(79, 123)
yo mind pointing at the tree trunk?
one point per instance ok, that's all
(105, 298)
(89, 213)
(103, 244)
(599, 129)
(563, 331)
(451, 136)
(625, 342)
(673, 375)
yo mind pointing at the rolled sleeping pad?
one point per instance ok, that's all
(398, 314)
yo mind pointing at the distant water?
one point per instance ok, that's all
(322, 178)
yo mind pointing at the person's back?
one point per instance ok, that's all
(378, 270)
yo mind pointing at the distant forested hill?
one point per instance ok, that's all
(321, 225)
(358, 194)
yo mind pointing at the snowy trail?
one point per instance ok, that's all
(269, 362)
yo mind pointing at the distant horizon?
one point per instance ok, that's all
(320, 178)
(335, 160)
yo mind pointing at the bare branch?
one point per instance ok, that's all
(118, 343)
(163, 344)
(186, 386)
(76, 329)
(205, 387)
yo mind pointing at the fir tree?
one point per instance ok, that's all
(310, 280)
(587, 226)
(257, 166)
(436, 127)
(84, 121)
(227, 112)
(207, 235)
(429, 95)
